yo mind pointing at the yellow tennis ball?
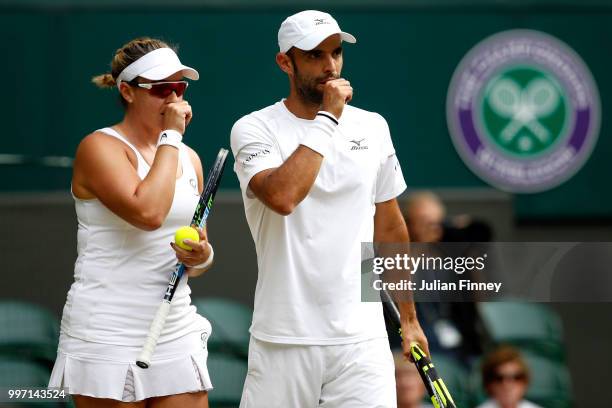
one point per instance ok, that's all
(186, 233)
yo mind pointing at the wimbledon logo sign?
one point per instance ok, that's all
(523, 111)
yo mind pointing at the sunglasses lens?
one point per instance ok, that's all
(164, 90)
(511, 377)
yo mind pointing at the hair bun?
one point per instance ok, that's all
(104, 81)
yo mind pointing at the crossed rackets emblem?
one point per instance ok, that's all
(524, 107)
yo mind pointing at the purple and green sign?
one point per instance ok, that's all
(523, 111)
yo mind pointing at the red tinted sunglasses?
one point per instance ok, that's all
(164, 89)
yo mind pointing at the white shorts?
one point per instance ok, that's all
(109, 371)
(358, 375)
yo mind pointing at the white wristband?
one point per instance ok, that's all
(170, 137)
(208, 261)
(320, 134)
(328, 116)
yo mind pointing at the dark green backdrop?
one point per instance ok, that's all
(400, 67)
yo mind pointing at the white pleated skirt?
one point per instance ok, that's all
(110, 371)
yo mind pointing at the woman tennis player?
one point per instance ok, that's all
(134, 184)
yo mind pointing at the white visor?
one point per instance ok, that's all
(155, 65)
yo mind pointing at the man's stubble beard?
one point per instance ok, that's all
(307, 91)
(307, 87)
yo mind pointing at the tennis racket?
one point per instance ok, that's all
(199, 218)
(440, 397)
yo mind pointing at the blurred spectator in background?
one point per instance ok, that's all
(408, 383)
(505, 377)
(424, 215)
(426, 218)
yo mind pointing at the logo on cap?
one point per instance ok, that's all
(319, 21)
(523, 111)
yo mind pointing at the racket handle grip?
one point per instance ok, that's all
(154, 331)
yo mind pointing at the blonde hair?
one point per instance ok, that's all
(125, 55)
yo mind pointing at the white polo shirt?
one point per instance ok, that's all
(308, 288)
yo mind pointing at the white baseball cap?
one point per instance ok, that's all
(155, 65)
(307, 29)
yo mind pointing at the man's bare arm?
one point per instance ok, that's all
(284, 187)
(390, 227)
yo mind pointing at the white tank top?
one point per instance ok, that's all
(121, 272)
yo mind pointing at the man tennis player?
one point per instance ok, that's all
(318, 177)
